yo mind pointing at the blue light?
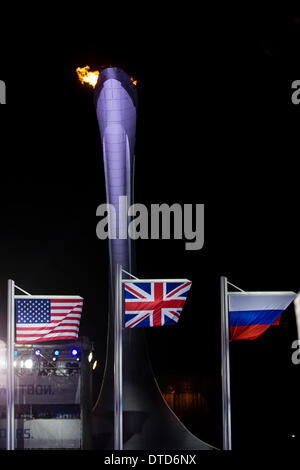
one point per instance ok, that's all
(37, 352)
(16, 353)
(74, 352)
(56, 352)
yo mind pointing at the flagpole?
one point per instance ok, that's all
(10, 387)
(225, 366)
(118, 381)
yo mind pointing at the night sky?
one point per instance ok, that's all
(215, 125)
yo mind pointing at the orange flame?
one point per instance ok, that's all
(85, 75)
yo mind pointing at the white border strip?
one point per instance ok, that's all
(48, 297)
(155, 280)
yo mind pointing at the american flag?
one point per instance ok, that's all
(154, 303)
(48, 318)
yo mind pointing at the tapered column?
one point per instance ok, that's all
(148, 423)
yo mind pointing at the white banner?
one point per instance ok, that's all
(44, 434)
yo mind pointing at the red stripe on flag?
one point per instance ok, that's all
(247, 332)
(159, 297)
(153, 304)
(178, 288)
(134, 291)
(40, 340)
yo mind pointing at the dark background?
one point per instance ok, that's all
(216, 125)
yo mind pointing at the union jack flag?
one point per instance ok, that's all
(154, 303)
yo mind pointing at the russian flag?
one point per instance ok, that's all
(252, 313)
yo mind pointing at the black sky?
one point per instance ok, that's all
(216, 126)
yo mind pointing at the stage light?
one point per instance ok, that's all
(2, 364)
(28, 364)
(56, 352)
(90, 356)
(16, 353)
(95, 364)
(74, 352)
(37, 352)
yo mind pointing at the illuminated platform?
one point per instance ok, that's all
(53, 395)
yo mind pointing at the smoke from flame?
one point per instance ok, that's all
(85, 75)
